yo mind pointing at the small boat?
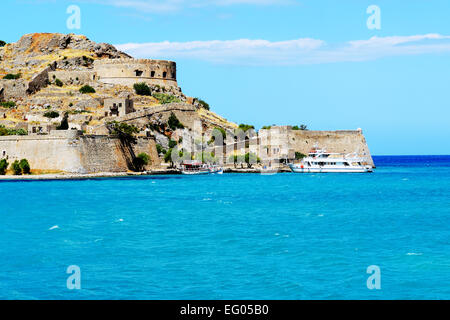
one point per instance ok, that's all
(319, 160)
(215, 170)
(193, 167)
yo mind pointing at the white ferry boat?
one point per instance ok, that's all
(197, 167)
(319, 160)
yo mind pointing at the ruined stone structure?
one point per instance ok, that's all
(118, 107)
(13, 89)
(276, 143)
(20, 88)
(127, 72)
(40, 128)
(73, 77)
(69, 151)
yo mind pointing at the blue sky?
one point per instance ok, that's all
(266, 62)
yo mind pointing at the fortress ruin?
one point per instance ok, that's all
(127, 72)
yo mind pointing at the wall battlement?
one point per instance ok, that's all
(128, 60)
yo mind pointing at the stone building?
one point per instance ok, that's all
(276, 143)
(118, 107)
(40, 128)
(127, 72)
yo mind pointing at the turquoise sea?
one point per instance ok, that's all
(235, 236)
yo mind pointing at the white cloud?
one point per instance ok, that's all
(161, 6)
(291, 52)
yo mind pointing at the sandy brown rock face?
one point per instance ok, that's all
(47, 43)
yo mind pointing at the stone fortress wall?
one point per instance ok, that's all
(130, 71)
(68, 151)
(72, 77)
(341, 141)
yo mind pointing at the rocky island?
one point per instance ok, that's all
(70, 106)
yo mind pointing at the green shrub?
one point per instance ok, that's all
(3, 166)
(59, 83)
(8, 104)
(246, 127)
(3, 131)
(2, 43)
(142, 89)
(141, 161)
(266, 127)
(51, 114)
(174, 123)
(301, 127)
(19, 132)
(16, 168)
(299, 155)
(203, 103)
(172, 143)
(11, 76)
(12, 132)
(25, 166)
(165, 98)
(168, 157)
(87, 89)
(160, 149)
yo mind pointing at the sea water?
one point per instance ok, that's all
(234, 236)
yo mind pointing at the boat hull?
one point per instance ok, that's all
(195, 172)
(297, 169)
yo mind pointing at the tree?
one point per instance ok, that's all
(122, 129)
(160, 149)
(299, 156)
(168, 157)
(3, 166)
(203, 103)
(16, 168)
(141, 161)
(2, 43)
(301, 127)
(87, 89)
(174, 123)
(172, 144)
(142, 89)
(236, 159)
(64, 122)
(25, 166)
(251, 159)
